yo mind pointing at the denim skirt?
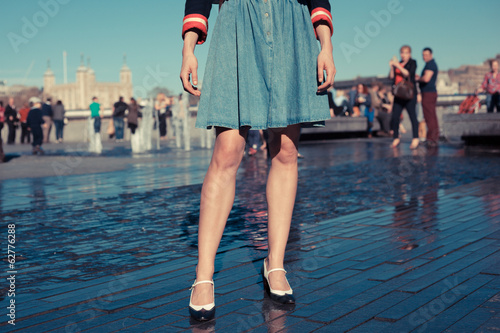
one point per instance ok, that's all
(261, 69)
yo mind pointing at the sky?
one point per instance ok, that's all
(367, 34)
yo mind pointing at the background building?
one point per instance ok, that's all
(469, 77)
(78, 95)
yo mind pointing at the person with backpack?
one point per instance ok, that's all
(119, 109)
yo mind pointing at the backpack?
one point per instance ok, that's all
(469, 105)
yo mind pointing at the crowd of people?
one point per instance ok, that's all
(34, 120)
(415, 93)
(166, 111)
(386, 104)
(376, 102)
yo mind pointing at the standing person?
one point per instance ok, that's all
(95, 114)
(161, 109)
(12, 121)
(399, 71)
(133, 115)
(491, 85)
(429, 96)
(58, 112)
(35, 123)
(47, 114)
(119, 109)
(94, 127)
(259, 49)
(23, 117)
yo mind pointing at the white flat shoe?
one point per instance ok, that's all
(281, 296)
(202, 312)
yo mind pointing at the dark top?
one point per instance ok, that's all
(120, 108)
(58, 112)
(47, 110)
(10, 112)
(431, 85)
(203, 7)
(411, 66)
(35, 119)
(133, 114)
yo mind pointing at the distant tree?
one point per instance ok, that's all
(157, 90)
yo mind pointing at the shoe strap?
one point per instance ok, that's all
(199, 282)
(276, 269)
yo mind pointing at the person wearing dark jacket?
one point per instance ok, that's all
(119, 109)
(133, 115)
(35, 123)
(47, 115)
(400, 71)
(58, 117)
(12, 121)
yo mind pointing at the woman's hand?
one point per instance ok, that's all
(325, 63)
(325, 58)
(189, 69)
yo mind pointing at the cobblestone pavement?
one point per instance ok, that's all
(382, 240)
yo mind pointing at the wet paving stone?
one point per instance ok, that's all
(381, 240)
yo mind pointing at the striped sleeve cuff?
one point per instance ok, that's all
(321, 14)
(198, 22)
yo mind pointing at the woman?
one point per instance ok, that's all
(23, 116)
(58, 117)
(491, 85)
(399, 71)
(133, 115)
(264, 71)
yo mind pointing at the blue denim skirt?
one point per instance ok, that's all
(262, 68)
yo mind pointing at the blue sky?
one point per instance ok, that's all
(148, 31)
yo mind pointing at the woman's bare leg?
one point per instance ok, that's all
(281, 191)
(217, 198)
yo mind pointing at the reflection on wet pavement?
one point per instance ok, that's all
(364, 215)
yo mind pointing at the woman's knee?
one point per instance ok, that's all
(288, 152)
(228, 152)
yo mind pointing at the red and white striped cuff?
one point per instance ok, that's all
(321, 14)
(196, 21)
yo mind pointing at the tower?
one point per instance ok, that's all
(125, 72)
(81, 84)
(49, 80)
(126, 79)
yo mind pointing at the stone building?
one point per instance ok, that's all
(78, 95)
(445, 86)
